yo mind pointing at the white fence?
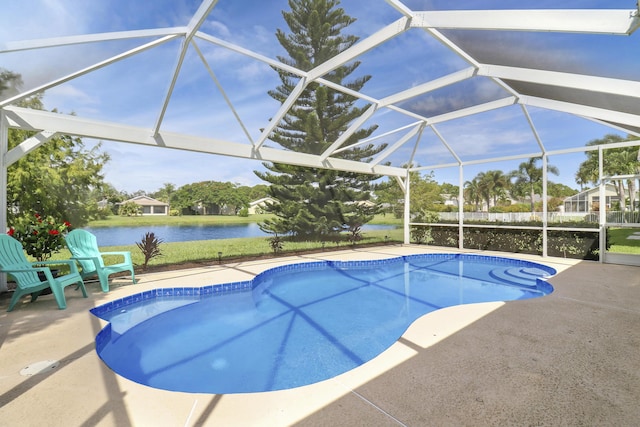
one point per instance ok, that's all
(552, 217)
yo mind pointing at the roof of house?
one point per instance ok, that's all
(262, 201)
(610, 188)
(146, 201)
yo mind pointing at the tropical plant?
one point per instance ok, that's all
(10, 83)
(59, 177)
(616, 161)
(493, 185)
(317, 203)
(528, 179)
(425, 192)
(275, 243)
(165, 194)
(150, 247)
(473, 192)
(209, 198)
(354, 233)
(40, 236)
(129, 209)
(422, 233)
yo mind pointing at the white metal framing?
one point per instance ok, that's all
(618, 22)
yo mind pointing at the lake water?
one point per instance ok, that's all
(119, 236)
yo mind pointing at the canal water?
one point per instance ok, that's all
(119, 236)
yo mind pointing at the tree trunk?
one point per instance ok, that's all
(638, 203)
(622, 195)
(532, 195)
(631, 184)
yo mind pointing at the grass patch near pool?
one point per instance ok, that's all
(620, 242)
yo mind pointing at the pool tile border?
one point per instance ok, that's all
(248, 285)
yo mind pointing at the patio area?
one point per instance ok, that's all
(570, 358)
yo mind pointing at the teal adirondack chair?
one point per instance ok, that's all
(14, 262)
(84, 249)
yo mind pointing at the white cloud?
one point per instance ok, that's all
(216, 28)
(62, 94)
(136, 167)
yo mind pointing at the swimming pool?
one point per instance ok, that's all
(298, 324)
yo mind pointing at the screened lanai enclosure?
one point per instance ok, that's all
(455, 88)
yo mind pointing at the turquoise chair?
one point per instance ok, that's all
(13, 261)
(84, 249)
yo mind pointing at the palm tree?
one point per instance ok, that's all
(623, 161)
(472, 192)
(500, 183)
(485, 184)
(617, 161)
(530, 176)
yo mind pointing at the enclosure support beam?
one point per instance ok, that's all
(461, 207)
(545, 215)
(70, 125)
(407, 207)
(4, 145)
(602, 208)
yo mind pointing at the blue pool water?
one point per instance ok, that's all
(298, 324)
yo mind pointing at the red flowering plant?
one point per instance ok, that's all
(40, 236)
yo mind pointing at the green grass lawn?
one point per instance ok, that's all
(618, 239)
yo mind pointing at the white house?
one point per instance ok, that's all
(583, 202)
(150, 206)
(257, 206)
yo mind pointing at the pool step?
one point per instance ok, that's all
(520, 276)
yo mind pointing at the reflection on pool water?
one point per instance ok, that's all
(298, 324)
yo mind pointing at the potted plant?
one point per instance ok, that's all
(40, 236)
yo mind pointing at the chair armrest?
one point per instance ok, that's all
(92, 259)
(86, 258)
(125, 254)
(73, 268)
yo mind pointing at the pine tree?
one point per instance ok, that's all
(317, 203)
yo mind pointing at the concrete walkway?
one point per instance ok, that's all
(570, 358)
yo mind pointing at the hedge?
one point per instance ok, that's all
(568, 244)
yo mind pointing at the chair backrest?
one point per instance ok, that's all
(12, 255)
(81, 243)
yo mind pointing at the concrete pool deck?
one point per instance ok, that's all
(570, 358)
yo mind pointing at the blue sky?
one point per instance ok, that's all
(132, 90)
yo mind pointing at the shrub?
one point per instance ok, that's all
(129, 209)
(569, 244)
(422, 233)
(150, 247)
(355, 233)
(40, 236)
(275, 243)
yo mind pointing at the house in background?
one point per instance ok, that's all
(150, 206)
(449, 199)
(257, 206)
(583, 202)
